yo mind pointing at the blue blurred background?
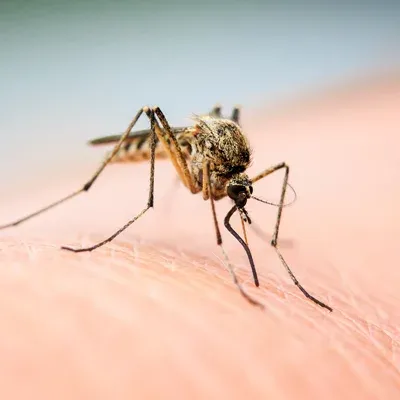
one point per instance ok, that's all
(71, 71)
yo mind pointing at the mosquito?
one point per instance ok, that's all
(210, 156)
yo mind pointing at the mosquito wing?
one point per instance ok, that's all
(137, 145)
(136, 136)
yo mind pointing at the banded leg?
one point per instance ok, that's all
(207, 194)
(150, 201)
(89, 183)
(274, 241)
(175, 151)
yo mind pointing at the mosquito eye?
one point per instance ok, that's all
(234, 190)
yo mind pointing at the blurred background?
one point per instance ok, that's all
(78, 69)
(71, 71)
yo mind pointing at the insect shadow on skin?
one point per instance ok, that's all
(211, 157)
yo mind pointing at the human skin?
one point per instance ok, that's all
(154, 314)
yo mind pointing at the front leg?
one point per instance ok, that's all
(265, 173)
(174, 151)
(274, 241)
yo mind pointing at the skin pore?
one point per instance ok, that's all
(155, 314)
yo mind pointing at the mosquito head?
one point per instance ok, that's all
(239, 189)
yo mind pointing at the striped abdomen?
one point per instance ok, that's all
(137, 146)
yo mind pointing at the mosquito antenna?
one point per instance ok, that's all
(241, 241)
(276, 204)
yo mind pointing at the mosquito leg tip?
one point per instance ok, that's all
(323, 305)
(12, 225)
(67, 248)
(256, 303)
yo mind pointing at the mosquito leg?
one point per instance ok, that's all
(207, 193)
(176, 154)
(171, 154)
(236, 115)
(88, 184)
(274, 241)
(41, 210)
(150, 201)
(216, 111)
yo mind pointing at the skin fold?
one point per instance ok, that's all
(154, 314)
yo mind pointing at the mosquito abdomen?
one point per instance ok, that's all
(138, 149)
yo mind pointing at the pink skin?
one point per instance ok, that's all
(155, 315)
